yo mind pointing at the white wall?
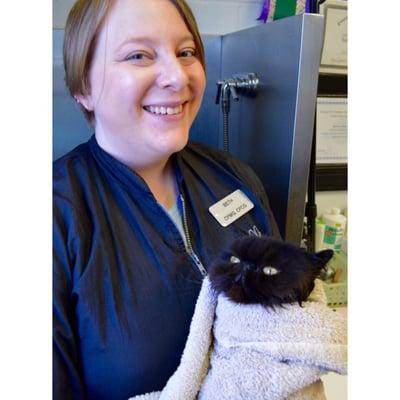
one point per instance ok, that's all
(223, 16)
(60, 12)
(327, 200)
(213, 16)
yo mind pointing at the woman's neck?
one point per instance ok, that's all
(161, 180)
(158, 175)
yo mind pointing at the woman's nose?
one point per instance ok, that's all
(172, 74)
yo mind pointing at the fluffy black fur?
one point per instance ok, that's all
(246, 282)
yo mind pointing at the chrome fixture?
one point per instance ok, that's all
(243, 83)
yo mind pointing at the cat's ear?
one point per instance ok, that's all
(323, 256)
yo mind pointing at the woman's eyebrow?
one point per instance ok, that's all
(149, 41)
(187, 38)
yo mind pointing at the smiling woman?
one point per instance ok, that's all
(144, 59)
(132, 233)
(84, 23)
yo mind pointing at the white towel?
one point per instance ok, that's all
(257, 353)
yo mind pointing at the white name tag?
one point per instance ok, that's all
(231, 207)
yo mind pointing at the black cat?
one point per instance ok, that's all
(261, 270)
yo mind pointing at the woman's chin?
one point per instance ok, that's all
(173, 143)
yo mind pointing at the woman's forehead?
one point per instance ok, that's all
(150, 19)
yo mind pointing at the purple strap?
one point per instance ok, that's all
(265, 11)
(308, 7)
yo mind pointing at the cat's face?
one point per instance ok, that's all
(260, 270)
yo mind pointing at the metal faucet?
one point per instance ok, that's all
(244, 83)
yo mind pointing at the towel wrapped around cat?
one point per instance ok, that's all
(261, 329)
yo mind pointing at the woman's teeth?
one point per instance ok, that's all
(164, 110)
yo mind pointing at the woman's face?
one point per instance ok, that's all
(146, 85)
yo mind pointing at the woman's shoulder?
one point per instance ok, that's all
(205, 150)
(221, 166)
(71, 175)
(71, 161)
(220, 160)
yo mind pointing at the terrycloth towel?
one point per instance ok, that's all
(257, 353)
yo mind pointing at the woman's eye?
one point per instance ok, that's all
(139, 57)
(187, 53)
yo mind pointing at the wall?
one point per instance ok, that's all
(213, 16)
(327, 200)
(60, 12)
(218, 17)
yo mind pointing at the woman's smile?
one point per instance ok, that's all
(166, 109)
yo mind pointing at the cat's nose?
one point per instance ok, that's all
(249, 266)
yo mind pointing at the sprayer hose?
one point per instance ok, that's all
(226, 130)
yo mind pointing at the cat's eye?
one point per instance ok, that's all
(268, 270)
(234, 260)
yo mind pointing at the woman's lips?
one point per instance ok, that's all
(164, 109)
(167, 112)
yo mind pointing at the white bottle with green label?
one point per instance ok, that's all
(335, 225)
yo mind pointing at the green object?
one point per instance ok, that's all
(330, 235)
(284, 8)
(336, 292)
(333, 237)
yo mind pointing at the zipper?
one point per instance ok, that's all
(189, 248)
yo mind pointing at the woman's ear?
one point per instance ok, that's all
(85, 101)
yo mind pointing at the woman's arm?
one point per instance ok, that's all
(67, 377)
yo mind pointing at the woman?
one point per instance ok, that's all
(133, 235)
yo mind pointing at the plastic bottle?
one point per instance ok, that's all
(319, 234)
(335, 225)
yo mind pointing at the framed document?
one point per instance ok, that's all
(331, 165)
(331, 138)
(331, 120)
(334, 51)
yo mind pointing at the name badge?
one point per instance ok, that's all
(231, 207)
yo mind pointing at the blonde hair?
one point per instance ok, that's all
(82, 29)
